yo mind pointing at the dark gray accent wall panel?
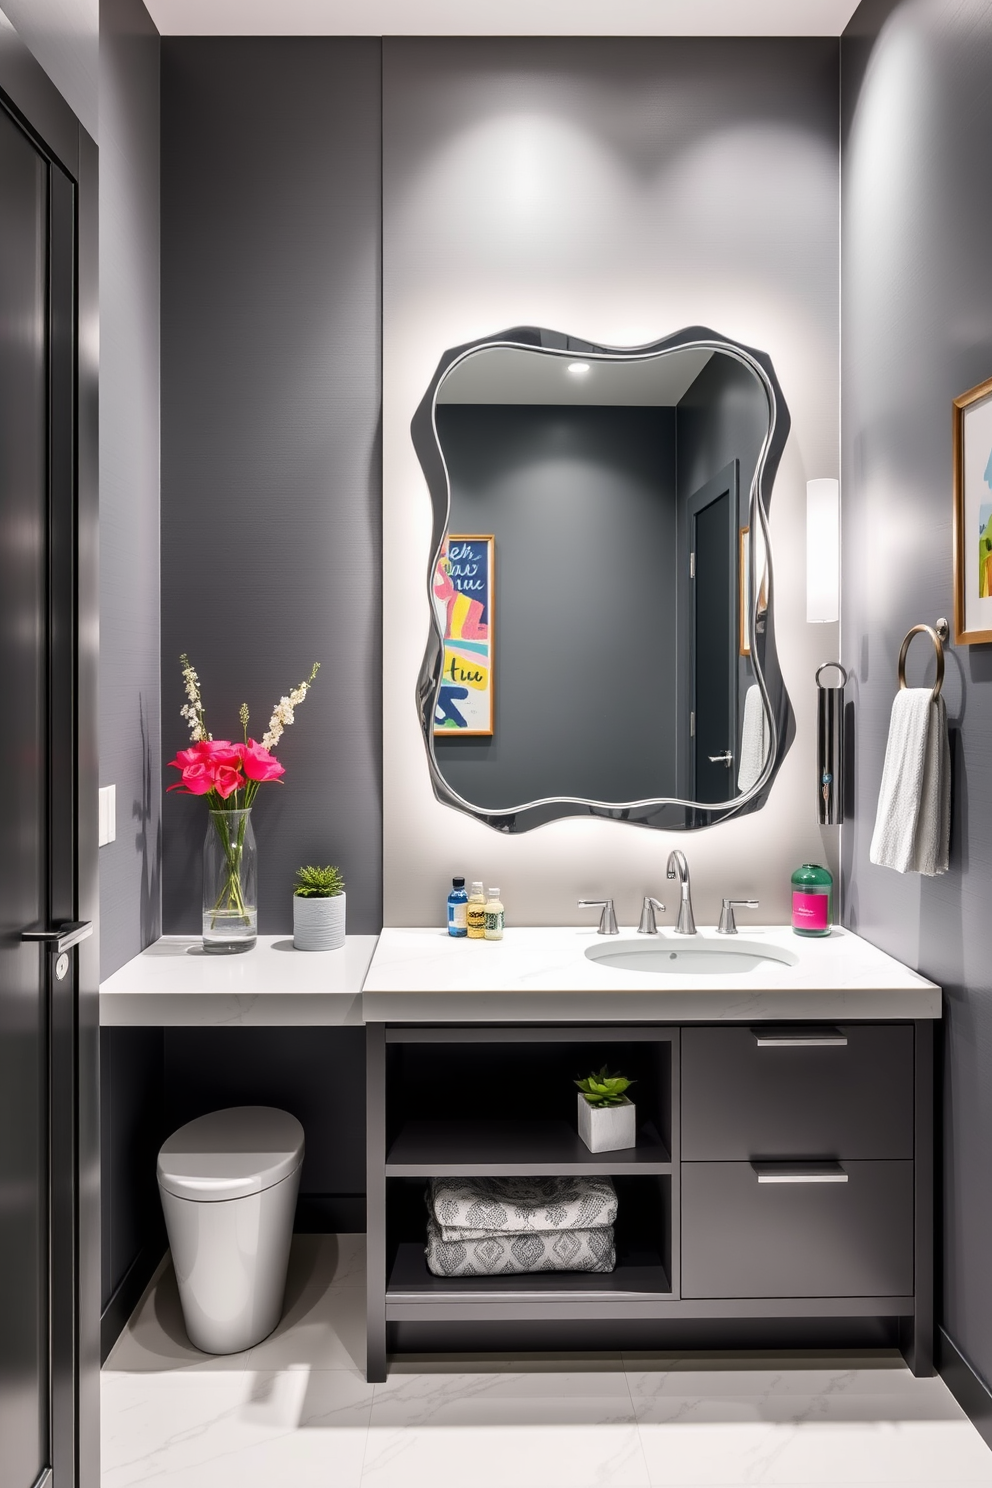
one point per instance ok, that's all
(917, 221)
(581, 502)
(132, 1128)
(317, 1074)
(130, 735)
(270, 442)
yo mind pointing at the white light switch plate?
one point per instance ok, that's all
(108, 814)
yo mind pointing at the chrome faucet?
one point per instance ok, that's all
(607, 920)
(728, 925)
(649, 925)
(679, 868)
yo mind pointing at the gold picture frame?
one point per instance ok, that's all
(972, 431)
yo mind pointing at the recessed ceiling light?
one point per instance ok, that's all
(579, 369)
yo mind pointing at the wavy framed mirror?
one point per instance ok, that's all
(601, 580)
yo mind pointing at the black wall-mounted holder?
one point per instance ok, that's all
(830, 747)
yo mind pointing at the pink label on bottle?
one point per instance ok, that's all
(809, 911)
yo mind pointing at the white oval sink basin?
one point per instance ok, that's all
(702, 958)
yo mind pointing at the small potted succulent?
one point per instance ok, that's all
(318, 909)
(607, 1118)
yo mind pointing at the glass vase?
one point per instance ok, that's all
(230, 878)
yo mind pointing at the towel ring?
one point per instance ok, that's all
(938, 649)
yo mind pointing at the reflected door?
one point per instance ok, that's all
(714, 645)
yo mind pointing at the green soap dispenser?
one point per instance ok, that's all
(812, 900)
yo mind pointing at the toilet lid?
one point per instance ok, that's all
(228, 1154)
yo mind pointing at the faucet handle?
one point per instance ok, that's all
(607, 920)
(649, 925)
(728, 925)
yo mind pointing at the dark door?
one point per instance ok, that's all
(713, 538)
(36, 791)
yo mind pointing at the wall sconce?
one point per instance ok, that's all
(822, 551)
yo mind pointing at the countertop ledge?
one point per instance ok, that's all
(532, 975)
(542, 974)
(174, 984)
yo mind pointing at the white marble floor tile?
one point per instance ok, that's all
(299, 1426)
(805, 1427)
(571, 1429)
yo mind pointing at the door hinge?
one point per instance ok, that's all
(692, 565)
(692, 725)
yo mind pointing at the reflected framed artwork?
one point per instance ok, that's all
(744, 590)
(973, 516)
(463, 593)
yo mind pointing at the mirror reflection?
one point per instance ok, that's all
(601, 609)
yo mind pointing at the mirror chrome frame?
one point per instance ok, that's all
(668, 813)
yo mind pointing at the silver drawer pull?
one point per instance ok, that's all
(799, 1038)
(799, 1172)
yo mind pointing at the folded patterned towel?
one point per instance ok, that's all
(477, 1207)
(509, 1255)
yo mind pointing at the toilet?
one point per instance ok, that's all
(228, 1183)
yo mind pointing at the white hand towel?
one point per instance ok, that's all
(913, 824)
(754, 739)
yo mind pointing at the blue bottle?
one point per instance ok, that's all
(458, 909)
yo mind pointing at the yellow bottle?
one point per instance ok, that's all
(476, 912)
(494, 916)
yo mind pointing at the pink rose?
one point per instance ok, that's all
(221, 750)
(258, 763)
(197, 779)
(226, 779)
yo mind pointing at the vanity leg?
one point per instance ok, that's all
(375, 1224)
(916, 1336)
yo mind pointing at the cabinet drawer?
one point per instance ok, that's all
(743, 1100)
(745, 1238)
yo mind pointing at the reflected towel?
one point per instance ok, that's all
(521, 1254)
(754, 739)
(913, 824)
(513, 1205)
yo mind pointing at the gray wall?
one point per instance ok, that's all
(613, 189)
(130, 732)
(130, 742)
(270, 443)
(917, 220)
(582, 505)
(63, 36)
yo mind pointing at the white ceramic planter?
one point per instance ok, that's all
(607, 1128)
(318, 924)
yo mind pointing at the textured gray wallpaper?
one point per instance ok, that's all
(917, 220)
(270, 443)
(130, 742)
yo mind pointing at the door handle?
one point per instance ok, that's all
(799, 1172)
(64, 938)
(726, 758)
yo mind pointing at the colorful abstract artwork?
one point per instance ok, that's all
(462, 589)
(973, 516)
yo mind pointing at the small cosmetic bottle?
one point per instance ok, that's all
(494, 916)
(477, 913)
(458, 909)
(812, 900)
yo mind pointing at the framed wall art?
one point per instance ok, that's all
(463, 591)
(973, 516)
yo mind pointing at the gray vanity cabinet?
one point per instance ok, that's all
(796, 1092)
(779, 1195)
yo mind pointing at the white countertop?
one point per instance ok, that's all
(542, 974)
(175, 984)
